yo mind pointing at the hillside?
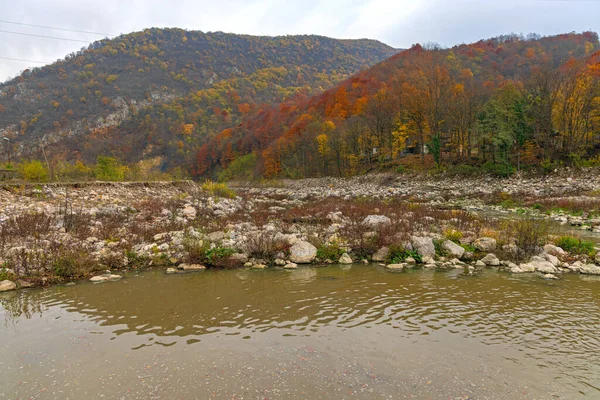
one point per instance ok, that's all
(160, 92)
(499, 104)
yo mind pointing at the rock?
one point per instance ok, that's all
(485, 244)
(345, 259)
(259, 266)
(238, 258)
(382, 254)
(189, 212)
(191, 267)
(410, 260)
(290, 266)
(540, 265)
(24, 284)
(395, 267)
(589, 269)
(491, 260)
(453, 249)
(423, 245)
(303, 252)
(376, 221)
(248, 264)
(554, 250)
(7, 285)
(105, 277)
(552, 259)
(549, 276)
(480, 264)
(216, 236)
(280, 262)
(171, 271)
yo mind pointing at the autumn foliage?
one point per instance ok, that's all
(503, 103)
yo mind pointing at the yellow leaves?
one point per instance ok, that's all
(399, 139)
(111, 79)
(184, 39)
(54, 104)
(589, 47)
(323, 142)
(188, 129)
(328, 127)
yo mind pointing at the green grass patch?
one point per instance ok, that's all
(576, 246)
(399, 254)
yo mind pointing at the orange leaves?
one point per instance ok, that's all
(244, 108)
(271, 162)
(188, 129)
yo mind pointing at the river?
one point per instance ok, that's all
(356, 332)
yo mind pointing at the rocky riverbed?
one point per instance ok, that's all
(58, 233)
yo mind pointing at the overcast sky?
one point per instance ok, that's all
(399, 23)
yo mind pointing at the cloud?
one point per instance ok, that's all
(399, 23)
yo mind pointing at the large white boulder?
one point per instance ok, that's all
(423, 245)
(453, 249)
(7, 285)
(485, 244)
(302, 252)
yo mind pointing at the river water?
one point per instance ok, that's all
(356, 332)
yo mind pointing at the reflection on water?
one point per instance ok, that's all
(555, 324)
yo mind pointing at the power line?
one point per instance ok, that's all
(19, 59)
(55, 28)
(43, 36)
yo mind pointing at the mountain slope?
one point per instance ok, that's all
(129, 96)
(499, 102)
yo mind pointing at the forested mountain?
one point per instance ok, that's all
(162, 92)
(499, 103)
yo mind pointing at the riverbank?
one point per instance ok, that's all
(57, 233)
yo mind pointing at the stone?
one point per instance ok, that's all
(7, 285)
(239, 258)
(191, 267)
(485, 244)
(410, 260)
(24, 284)
(539, 265)
(382, 254)
(480, 264)
(216, 236)
(589, 269)
(552, 259)
(491, 260)
(259, 266)
(549, 276)
(280, 262)
(423, 245)
(105, 277)
(376, 221)
(453, 249)
(189, 212)
(290, 266)
(554, 250)
(345, 259)
(395, 267)
(171, 271)
(302, 252)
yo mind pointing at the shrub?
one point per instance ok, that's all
(240, 168)
(501, 170)
(576, 245)
(218, 189)
(329, 252)
(530, 234)
(34, 171)
(453, 235)
(399, 254)
(109, 169)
